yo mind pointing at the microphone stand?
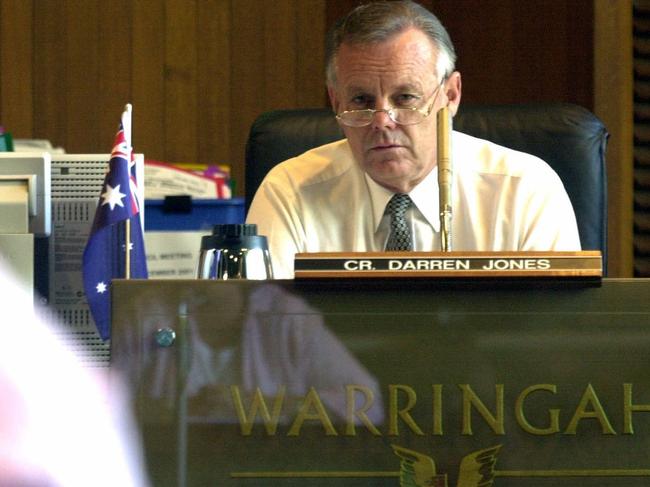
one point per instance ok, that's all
(445, 176)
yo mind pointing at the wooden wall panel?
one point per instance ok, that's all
(514, 51)
(181, 80)
(279, 48)
(51, 89)
(614, 104)
(82, 64)
(214, 80)
(114, 79)
(16, 80)
(310, 65)
(248, 76)
(277, 63)
(147, 81)
(198, 72)
(485, 49)
(552, 69)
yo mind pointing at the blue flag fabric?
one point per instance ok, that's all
(104, 257)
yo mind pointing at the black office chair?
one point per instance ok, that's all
(569, 138)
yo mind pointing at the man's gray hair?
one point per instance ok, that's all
(381, 20)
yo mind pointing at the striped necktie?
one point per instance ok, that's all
(400, 233)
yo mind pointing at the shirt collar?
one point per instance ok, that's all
(424, 197)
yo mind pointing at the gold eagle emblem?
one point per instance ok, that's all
(419, 470)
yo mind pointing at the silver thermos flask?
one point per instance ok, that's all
(234, 251)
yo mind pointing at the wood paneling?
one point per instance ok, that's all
(214, 81)
(82, 64)
(516, 51)
(613, 103)
(279, 52)
(147, 61)
(114, 78)
(248, 83)
(180, 76)
(16, 50)
(51, 89)
(513, 51)
(198, 72)
(310, 72)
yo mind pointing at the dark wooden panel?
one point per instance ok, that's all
(180, 81)
(201, 71)
(484, 47)
(115, 69)
(83, 70)
(247, 77)
(580, 53)
(51, 89)
(614, 103)
(515, 51)
(554, 54)
(16, 82)
(214, 64)
(279, 46)
(310, 54)
(148, 89)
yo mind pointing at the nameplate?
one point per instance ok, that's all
(448, 264)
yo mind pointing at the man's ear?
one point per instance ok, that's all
(453, 90)
(333, 98)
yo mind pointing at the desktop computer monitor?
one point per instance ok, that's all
(66, 190)
(29, 172)
(25, 211)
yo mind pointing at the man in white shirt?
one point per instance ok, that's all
(390, 69)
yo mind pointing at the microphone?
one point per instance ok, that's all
(445, 174)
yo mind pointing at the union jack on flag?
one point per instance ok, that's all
(104, 257)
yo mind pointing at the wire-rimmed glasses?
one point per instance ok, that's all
(401, 116)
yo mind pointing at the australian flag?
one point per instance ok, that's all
(105, 255)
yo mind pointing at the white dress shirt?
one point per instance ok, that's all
(322, 201)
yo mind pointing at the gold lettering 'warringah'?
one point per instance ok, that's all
(403, 402)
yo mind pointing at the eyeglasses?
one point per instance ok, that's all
(401, 116)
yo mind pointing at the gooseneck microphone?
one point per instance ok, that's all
(445, 176)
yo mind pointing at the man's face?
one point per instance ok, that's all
(400, 72)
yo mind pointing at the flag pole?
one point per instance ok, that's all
(126, 125)
(127, 237)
